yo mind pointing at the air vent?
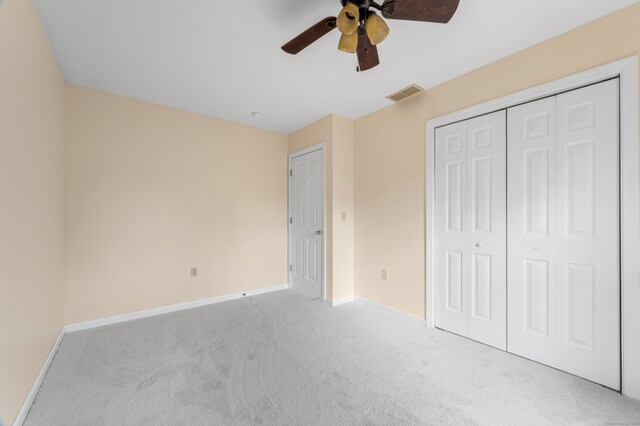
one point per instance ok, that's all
(405, 93)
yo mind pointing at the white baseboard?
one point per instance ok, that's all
(70, 328)
(422, 320)
(26, 405)
(341, 301)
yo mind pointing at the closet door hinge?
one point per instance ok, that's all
(290, 268)
(290, 172)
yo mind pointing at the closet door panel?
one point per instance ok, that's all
(486, 242)
(532, 231)
(452, 217)
(588, 233)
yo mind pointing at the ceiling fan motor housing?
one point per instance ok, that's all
(387, 7)
(363, 5)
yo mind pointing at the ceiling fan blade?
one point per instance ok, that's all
(439, 11)
(367, 53)
(311, 35)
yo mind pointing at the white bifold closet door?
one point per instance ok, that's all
(564, 232)
(471, 229)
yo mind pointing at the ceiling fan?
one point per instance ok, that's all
(363, 29)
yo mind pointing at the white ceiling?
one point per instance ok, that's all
(223, 58)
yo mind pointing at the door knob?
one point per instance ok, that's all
(318, 232)
(479, 245)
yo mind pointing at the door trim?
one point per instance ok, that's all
(627, 71)
(296, 154)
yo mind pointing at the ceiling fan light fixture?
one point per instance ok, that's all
(358, 17)
(377, 29)
(348, 42)
(347, 20)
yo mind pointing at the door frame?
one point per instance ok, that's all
(296, 154)
(627, 71)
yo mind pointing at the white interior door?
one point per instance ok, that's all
(471, 228)
(487, 237)
(451, 228)
(532, 230)
(564, 251)
(306, 222)
(589, 233)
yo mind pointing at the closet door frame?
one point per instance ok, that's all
(627, 71)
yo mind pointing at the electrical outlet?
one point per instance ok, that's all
(194, 272)
(384, 274)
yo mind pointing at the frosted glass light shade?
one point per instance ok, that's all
(347, 20)
(377, 29)
(348, 42)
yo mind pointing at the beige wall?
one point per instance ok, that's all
(319, 132)
(153, 191)
(343, 139)
(32, 135)
(337, 133)
(390, 151)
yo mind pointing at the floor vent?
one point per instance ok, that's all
(405, 93)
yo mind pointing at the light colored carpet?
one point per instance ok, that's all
(283, 358)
